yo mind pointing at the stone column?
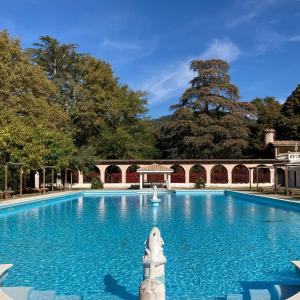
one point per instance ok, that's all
(123, 176)
(272, 175)
(229, 169)
(187, 174)
(102, 172)
(80, 177)
(37, 180)
(168, 181)
(208, 169)
(286, 178)
(252, 173)
(141, 181)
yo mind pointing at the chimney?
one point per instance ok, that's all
(269, 136)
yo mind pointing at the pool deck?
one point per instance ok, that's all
(28, 199)
(270, 196)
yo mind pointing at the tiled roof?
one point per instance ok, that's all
(286, 143)
(155, 168)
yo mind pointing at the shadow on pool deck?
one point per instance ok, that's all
(112, 287)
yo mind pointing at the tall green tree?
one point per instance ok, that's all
(209, 120)
(59, 61)
(33, 130)
(267, 115)
(289, 124)
(107, 118)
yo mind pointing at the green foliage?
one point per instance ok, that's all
(107, 118)
(33, 130)
(63, 108)
(200, 182)
(267, 114)
(96, 183)
(209, 121)
(289, 124)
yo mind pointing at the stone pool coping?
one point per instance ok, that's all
(279, 199)
(272, 199)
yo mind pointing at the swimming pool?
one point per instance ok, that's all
(92, 244)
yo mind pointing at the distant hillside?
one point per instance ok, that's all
(158, 123)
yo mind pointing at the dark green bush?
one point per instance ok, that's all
(200, 182)
(96, 183)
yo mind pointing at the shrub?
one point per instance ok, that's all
(200, 182)
(96, 183)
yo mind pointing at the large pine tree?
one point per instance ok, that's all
(209, 120)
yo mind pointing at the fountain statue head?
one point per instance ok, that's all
(154, 245)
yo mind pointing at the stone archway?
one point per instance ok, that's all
(132, 176)
(196, 172)
(178, 176)
(219, 174)
(240, 174)
(113, 174)
(263, 173)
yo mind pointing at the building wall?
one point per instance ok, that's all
(187, 167)
(294, 177)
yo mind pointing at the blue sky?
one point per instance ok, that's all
(150, 43)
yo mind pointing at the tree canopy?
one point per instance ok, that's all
(289, 123)
(107, 118)
(209, 120)
(61, 107)
(33, 130)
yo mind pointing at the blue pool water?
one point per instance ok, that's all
(92, 245)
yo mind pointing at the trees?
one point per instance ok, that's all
(289, 123)
(209, 121)
(267, 115)
(59, 63)
(33, 130)
(106, 117)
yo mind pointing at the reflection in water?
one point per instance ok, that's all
(145, 200)
(141, 204)
(230, 212)
(123, 211)
(252, 209)
(101, 208)
(208, 206)
(35, 213)
(187, 206)
(169, 203)
(154, 214)
(79, 205)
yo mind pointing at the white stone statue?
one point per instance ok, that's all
(153, 286)
(154, 259)
(152, 289)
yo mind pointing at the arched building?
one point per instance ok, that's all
(284, 157)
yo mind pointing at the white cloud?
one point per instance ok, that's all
(295, 38)
(174, 79)
(122, 45)
(168, 83)
(268, 40)
(252, 8)
(223, 49)
(125, 51)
